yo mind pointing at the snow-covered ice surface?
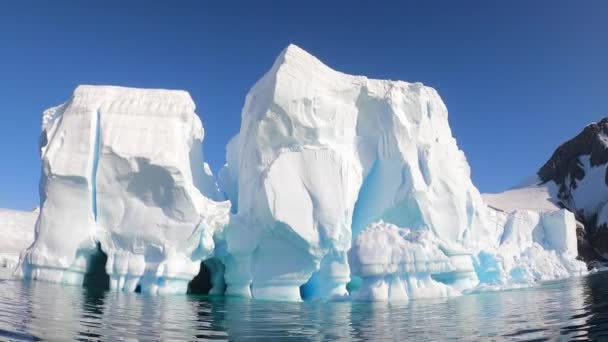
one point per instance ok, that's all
(325, 158)
(332, 178)
(17, 232)
(123, 167)
(535, 196)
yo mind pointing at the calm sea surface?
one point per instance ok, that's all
(564, 310)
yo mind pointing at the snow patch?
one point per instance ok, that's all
(17, 230)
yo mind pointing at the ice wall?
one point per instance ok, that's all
(124, 168)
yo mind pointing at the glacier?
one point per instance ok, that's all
(336, 187)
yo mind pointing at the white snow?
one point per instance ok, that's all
(17, 231)
(124, 167)
(591, 193)
(589, 196)
(323, 162)
(537, 197)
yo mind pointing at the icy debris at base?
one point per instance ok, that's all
(331, 177)
(124, 167)
(17, 233)
(397, 264)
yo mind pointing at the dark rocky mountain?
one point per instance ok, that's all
(579, 161)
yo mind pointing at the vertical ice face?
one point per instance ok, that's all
(320, 156)
(124, 167)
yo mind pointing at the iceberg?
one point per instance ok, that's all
(324, 159)
(336, 186)
(575, 178)
(123, 175)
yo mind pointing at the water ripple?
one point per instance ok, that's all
(575, 309)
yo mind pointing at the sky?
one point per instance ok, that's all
(518, 77)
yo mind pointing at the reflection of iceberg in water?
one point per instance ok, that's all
(177, 319)
(563, 309)
(334, 320)
(16, 308)
(52, 316)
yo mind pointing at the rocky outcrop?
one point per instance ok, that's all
(579, 170)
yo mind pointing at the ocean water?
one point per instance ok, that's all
(563, 310)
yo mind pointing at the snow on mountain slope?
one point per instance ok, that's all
(575, 177)
(578, 169)
(537, 197)
(17, 231)
(123, 167)
(322, 157)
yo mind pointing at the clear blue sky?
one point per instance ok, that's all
(518, 77)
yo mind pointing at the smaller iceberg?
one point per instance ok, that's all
(123, 176)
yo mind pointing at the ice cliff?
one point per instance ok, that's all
(332, 180)
(122, 168)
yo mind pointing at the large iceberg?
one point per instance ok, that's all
(122, 171)
(324, 159)
(338, 185)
